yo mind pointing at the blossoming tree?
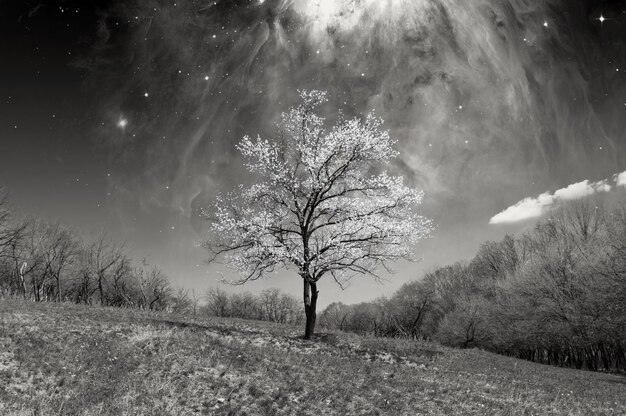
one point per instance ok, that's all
(320, 206)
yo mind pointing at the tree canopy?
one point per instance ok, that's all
(322, 204)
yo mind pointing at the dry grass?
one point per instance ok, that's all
(73, 360)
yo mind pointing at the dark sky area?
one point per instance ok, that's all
(125, 114)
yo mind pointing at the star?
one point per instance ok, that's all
(122, 123)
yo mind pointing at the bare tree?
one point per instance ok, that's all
(8, 233)
(11, 236)
(155, 289)
(30, 259)
(103, 256)
(463, 327)
(335, 315)
(122, 286)
(217, 301)
(181, 301)
(278, 307)
(85, 277)
(409, 307)
(195, 301)
(13, 254)
(320, 207)
(269, 300)
(60, 251)
(244, 305)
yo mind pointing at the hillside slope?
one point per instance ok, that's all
(67, 359)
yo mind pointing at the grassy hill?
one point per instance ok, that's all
(60, 359)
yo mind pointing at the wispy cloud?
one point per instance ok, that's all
(188, 80)
(529, 208)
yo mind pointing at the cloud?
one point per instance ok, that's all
(581, 190)
(525, 209)
(620, 179)
(529, 208)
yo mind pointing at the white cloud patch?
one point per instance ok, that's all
(620, 179)
(529, 208)
(581, 190)
(525, 209)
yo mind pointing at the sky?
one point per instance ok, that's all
(124, 115)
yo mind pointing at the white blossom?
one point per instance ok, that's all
(317, 207)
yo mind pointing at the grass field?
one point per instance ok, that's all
(59, 359)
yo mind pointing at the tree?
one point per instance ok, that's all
(410, 306)
(59, 251)
(244, 305)
(155, 289)
(31, 259)
(104, 257)
(122, 286)
(321, 206)
(11, 236)
(11, 239)
(334, 316)
(181, 301)
(217, 301)
(269, 301)
(7, 232)
(195, 301)
(277, 307)
(465, 326)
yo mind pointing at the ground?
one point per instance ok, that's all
(62, 359)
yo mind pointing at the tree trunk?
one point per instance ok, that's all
(59, 296)
(100, 290)
(413, 330)
(35, 289)
(310, 304)
(22, 278)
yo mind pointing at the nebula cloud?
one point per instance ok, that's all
(483, 96)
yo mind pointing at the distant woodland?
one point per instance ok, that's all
(48, 261)
(554, 295)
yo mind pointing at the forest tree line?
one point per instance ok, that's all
(48, 261)
(554, 295)
(268, 305)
